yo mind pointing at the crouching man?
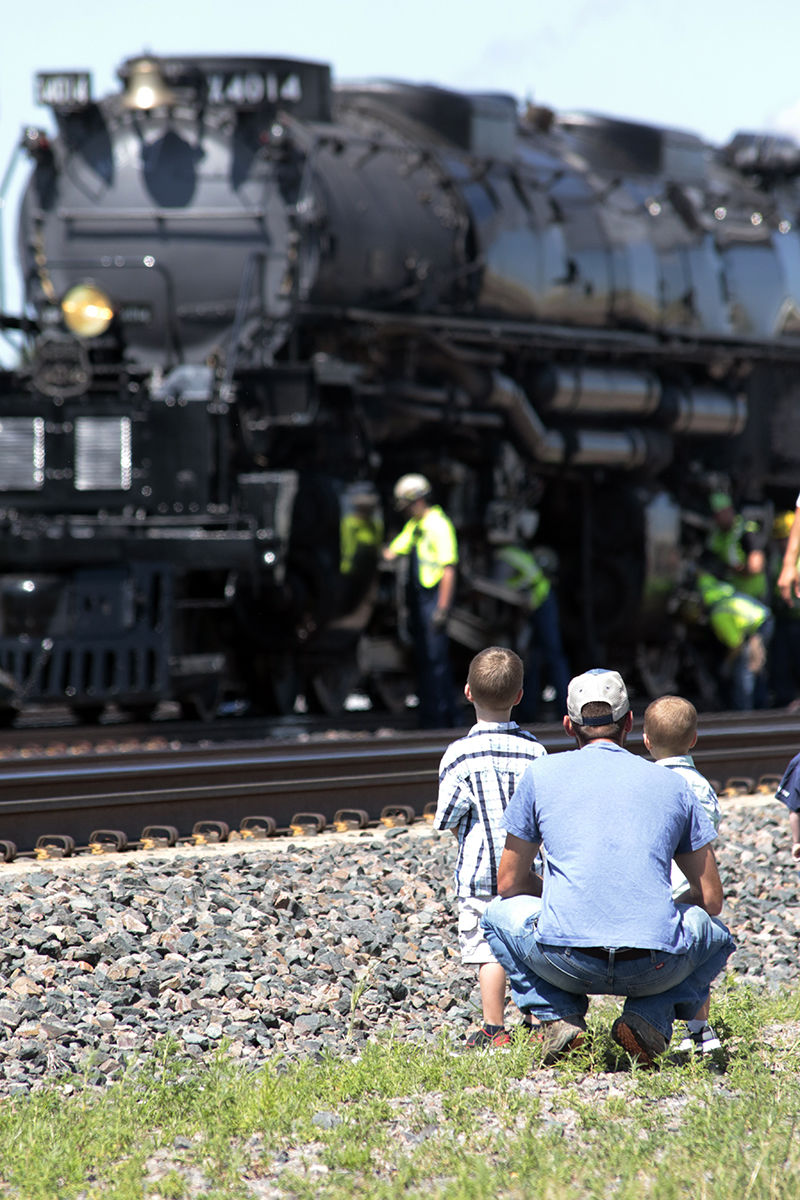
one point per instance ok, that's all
(602, 920)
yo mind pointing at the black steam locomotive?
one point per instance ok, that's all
(248, 289)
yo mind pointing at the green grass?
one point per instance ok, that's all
(424, 1121)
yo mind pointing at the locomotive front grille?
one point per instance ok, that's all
(102, 454)
(21, 454)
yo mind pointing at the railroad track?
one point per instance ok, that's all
(153, 793)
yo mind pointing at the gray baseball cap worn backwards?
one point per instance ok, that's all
(597, 686)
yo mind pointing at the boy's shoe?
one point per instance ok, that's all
(480, 1038)
(559, 1037)
(703, 1041)
(638, 1038)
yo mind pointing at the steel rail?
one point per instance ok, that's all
(186, 785)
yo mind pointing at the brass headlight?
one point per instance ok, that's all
(87, 311)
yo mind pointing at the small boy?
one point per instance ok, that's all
(477, 777)
(789, 792)
(670, 732)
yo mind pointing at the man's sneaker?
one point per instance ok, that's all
(480, 1038)
(702, 1041)
(559, 1037)
(531, 1029)
(638, 1038)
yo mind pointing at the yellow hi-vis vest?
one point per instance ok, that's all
(726, 544)
(433, 537)
(529, 576)
(735, 617)
(356, 531)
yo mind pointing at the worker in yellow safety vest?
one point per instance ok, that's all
(429, 540)
(739, 548)
(744, 626)
(543, 646)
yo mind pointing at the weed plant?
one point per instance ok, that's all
(433, 1121)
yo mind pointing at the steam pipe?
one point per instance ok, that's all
(627, 448)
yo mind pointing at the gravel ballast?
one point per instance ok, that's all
(289, 947)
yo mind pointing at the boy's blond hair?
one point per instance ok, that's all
(670, 725)
(495, 677)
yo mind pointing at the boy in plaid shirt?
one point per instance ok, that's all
(477, 777)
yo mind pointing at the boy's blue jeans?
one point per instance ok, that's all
(553, 982)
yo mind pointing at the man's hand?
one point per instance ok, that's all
(705, 886)
(514, 875)
(439, 619)
(788, 582)
(789, 578)
(756, 653)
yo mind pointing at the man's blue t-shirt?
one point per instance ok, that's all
(610, 823)
(789, 787)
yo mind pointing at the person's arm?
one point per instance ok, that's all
(756, 562)
(789, 579)
(705, 885)
(447, 589)
(401, 544)
(454, 799)
(514, 876)
(794, 829)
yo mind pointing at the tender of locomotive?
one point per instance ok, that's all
(248, 289)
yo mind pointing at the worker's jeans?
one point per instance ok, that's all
(553, 982)
(437, 708)
(544, 649)
(749, 687)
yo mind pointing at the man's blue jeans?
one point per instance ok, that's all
(437, 708)
(553, 982)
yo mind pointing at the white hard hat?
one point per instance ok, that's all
(410, 488)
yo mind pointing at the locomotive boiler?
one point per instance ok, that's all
(248, 290)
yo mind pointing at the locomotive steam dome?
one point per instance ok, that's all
(173, 200)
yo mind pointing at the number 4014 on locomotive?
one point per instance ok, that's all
(251, 292)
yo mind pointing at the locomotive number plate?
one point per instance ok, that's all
(67, 89)
(250, 89)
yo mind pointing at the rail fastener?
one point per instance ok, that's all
(54, 845)
(739, 786)
(768, 784)
(304, 823)
(105, 841)
(254, 827)
(8, 850)
(350, 818)
(209, 832)
(397, 814)
(156, 836)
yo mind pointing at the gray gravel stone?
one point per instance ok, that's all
(290, 947)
